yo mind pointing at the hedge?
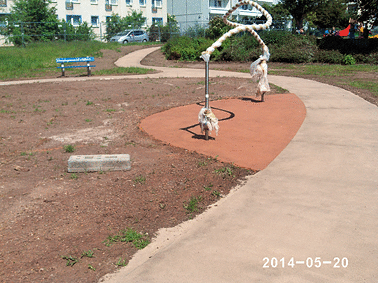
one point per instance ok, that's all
(283, 46)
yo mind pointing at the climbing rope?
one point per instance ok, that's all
(258, 69)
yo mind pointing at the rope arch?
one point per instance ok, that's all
(259, 68)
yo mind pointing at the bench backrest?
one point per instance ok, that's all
(76, 59)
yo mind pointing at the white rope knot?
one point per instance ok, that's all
(207, 120)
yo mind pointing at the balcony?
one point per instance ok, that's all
(69, 6)
(3, 3)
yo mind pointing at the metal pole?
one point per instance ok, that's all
(22, 34)
(206, 85)
(207, 106)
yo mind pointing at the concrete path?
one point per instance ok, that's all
(310, 216)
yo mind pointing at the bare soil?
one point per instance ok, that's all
(47, 214)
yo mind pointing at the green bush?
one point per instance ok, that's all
(349, 60)
(216, 28)
(283, 47)
(371, 58)
(185, 48)
(328, 56)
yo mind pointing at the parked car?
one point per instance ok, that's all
(134, 35)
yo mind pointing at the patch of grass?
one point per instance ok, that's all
(88, 120)
(38, 59)
(129, 235)
(208, 187)
(69, 148)
(91, 267)
(225, 172)
(371, 86)
(140, 179)
(110, 110)
(216, 193)
(192, 204)
(74, 176)
(278, 88)
(89, 103)
(70, 260)
(127, 70)
(88, 253)
(121, 262)
(202, 163)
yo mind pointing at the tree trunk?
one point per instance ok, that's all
(365, 33)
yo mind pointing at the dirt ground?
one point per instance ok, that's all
(50, 218)
(47, 214)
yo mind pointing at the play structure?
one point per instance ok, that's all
(259, 68)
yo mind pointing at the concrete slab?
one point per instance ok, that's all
(93, 163)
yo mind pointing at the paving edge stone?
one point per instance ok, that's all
(93, 163)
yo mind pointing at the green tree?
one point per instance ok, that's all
(278, 11)
(170, 29)
(39, 21)
(299, 9)
(116, 24)
(135, 19)
(367, 13)
(216, 28)
(279, 14)
(330, 14)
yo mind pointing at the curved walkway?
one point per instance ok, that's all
(313, 208)
(317, 202)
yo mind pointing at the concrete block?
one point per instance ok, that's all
(90, 163)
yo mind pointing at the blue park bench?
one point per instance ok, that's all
(63, 61)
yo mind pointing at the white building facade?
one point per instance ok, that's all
(189, 13)
(95, 12)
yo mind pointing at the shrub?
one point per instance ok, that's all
(329, 56)
(216, 28)
(185, 48)
(349, 60)
(154, 33)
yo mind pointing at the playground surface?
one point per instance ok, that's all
(316, 199)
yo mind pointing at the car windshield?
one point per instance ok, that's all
(123, 32)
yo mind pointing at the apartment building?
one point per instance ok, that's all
(191, 12)
(95, 12)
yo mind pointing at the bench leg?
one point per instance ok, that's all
(88, 69)
(63, 71)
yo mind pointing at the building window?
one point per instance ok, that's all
(75, 20)
(94, 21)
(3, 3)
(114, 2)
(157, 3)
(216, 3)
(157, 21)
(129, 2)
(108, 6)
(142, 2)
(94, 2)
